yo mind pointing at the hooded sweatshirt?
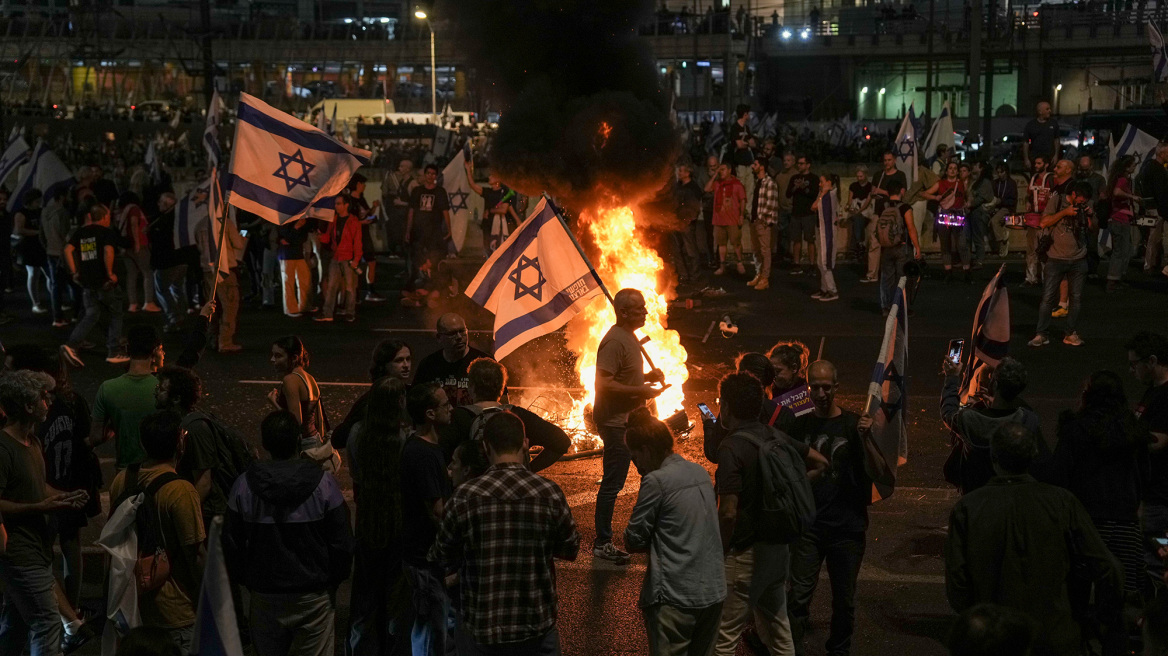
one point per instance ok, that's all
(288, 529)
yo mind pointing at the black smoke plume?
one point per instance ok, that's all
(583, 116)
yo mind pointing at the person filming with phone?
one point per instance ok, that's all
(621, 386)
(970, 466)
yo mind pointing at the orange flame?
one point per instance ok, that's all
(625, 261)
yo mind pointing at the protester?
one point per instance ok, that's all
(499, 217)
(979, 206)
(741, 154)
(1102, 457)
(377, 602)
(972, 425)
(90, 255)
(621, 386)
(1005, 202)
(1041, 136)
(729, 199)
(689, 245)
(219, 260)
(500, 532)
(123, 402)
(291, 568)
(756, 571)
(1147, 356)
(802, 190)
(427, 230)
(293, 267)
(764, 215)
(395, 194)
(56, 226)
(180, 520)
(29, 251)
(30, 615)
(949, 194)
(425, 487)
(136, 254)
(1067, 217)
(1038, 193)
(298, 392)
(1018, 543)
(783, 230)
(827, 207)
(367, 216)
(894, 252)
(170, 266)
(675, 520)
(448, 366)
(842, 495)
(1121, 211)
(705, 175)
(859, 212)
(1153, 183)
(343, 241)
(488, 381)
(392, 358)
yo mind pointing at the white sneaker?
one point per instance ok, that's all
(39, 309)
(610, 553)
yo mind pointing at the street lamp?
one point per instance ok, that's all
(420, 14)
(1057, 88)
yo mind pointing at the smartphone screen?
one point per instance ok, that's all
(956, 347)
(705, 410)
(1163, 542)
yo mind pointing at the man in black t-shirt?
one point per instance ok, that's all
(842, 495)
(802, 189)
(499, 217)
(1147, 356)
(169, 264)
(741, 156)
(427, 226)
(90, 255)
(447, 367)
(425, 487)
(1040, 137)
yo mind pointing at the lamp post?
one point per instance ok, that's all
(420, 14)
(1057, 88)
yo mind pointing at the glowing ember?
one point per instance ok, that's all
(625, 261)
(604, 131)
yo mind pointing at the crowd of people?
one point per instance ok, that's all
(753, 199)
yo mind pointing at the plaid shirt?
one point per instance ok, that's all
(768, 200)
(501, 531)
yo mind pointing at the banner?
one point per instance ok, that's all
(454, 181)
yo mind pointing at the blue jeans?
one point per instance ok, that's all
(892, 262)
(60, 284)
(975, 232)
(546, 645)
(1075, 272)
(843, 552)
(30, 614)
(433, 618)
(170, 290)
(616, 469)
(110, 302)
(1122, 249)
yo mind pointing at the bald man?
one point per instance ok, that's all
(1040, 137)
(448, 366)
(621, 386)
(842, 496)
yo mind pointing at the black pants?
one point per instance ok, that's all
(843, 552)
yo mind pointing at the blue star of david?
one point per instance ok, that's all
(458, 200)
(201, 196)
(534, 290)
(905, 149)
(896, 396)
(305, 168)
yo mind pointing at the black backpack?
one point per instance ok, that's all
(788, 505)
(153, 568)
(233, 454)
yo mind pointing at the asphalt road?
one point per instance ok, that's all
(901, 606)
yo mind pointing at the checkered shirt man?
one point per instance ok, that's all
(768, 201)
(501, 531)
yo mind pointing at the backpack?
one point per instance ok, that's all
(481, 417)
(890, 226)
(788, 505)
(153, 566)
(233, 454)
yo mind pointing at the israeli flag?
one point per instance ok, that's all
(15, 154)
(1134, 142)
(454, 180)
(216, 631)
(828, 214)
(940, 132)
(193, 209)
(283, 168)
(44, 171)
(888, 395)
(1159, 54)
(211, 131)
(152, 163)
(990, 338)
(535, 282)
(905, 147)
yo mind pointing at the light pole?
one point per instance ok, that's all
(1057, 88)
(420, 14)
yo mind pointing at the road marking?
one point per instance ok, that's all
(325, 383)
(868, 574)
(589, 498)
(425, 331)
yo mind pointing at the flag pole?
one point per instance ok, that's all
(592, 269)
(222, 234)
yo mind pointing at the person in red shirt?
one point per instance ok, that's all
(343, 240)
(729, 199)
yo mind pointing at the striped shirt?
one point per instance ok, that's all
(501, 531)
